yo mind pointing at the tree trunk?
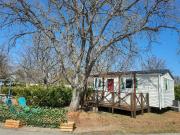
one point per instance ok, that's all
(83, 95)
(75, 101)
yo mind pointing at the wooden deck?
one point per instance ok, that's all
(129, 101)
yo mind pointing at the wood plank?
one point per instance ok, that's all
(11, 120)
(66, 127)
(68, 124)
(12, 126)
(66, 130)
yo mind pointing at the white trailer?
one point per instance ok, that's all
(158, 83)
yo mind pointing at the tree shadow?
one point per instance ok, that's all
(160, 111)
(116, 111)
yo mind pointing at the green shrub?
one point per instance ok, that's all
(39, 96)
(41, 117)
(177, 92)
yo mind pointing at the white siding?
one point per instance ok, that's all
(149, 84)
(167, 91)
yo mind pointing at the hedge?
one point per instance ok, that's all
(58, 96)
(177, 92)
(40, 117)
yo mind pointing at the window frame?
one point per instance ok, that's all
(166, 84)
(98, 83)
(129, 79)
(122, 84)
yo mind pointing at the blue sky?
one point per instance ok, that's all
(166, 48)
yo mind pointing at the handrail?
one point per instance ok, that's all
(120, 92)
(137, 101)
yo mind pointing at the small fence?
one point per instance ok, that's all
(132, 102)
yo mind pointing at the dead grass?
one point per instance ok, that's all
(168, 122)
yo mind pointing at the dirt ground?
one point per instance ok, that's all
(167, 122)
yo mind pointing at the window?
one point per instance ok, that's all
(166, 84)
(129, 83)
(100, 83)
(122, 84)
(95, 83)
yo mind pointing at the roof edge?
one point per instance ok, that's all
(158, 71)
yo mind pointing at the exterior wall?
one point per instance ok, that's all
(149, 84)
(167, 90)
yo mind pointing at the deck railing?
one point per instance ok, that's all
(126, 101)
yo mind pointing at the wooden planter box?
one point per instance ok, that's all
(67, 127)
(13, 123)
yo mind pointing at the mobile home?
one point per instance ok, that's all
(159, 84)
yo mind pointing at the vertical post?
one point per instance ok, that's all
(95, 89)
(142, 104)
(132, 105)
(94, 95)
(1, 84)
(103, 90)
(147, 100)
(0, 88)
(119, 91)
(134, 95)
(113, 102)
(96, 100)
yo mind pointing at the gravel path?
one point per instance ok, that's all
(31, 131)
(48, 131)
(43, 131)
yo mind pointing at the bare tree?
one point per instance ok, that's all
(177, 80)
(40, 62)
(81, 31)
(114, 59)
(153, 63)
(4, 65)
